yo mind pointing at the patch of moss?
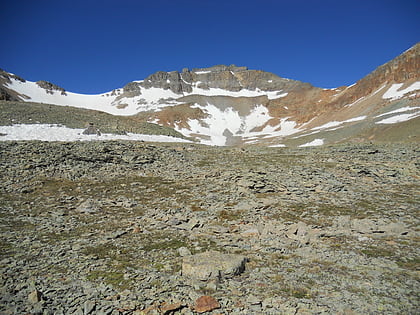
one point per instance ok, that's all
(410, 264)
(376, 252)
(113, 278)
(164, 244)
(6, 249)
(230, 215)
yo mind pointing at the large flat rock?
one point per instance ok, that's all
(213, 265)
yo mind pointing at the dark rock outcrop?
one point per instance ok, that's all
(231, 78)
(50, 87)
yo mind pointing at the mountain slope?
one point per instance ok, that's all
(230, 105)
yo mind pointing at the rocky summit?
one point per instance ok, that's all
(125, 227)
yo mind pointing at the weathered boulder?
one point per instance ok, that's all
(213, 265)
(206, 304)
(91, 130)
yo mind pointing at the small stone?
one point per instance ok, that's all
(88, 206)
(206, 303)
(183, 251)
(136, 230)
(35, 296)
(252, 232)
(88, 307)
(170, 308)
(193, 223)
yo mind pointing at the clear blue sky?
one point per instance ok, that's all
(94, 46)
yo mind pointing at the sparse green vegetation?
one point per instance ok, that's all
(230, 215)
(374, 251)
(90, 213)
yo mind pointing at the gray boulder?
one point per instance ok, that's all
(212, 265)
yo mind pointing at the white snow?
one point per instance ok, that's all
(400, 110)
(219, 121)
(46, 132)
(150, 99)
(275, 95)
(201, 72)
(378, 90)
(333, 124)
(242, 93)
(394, 93)
(280, 145)
(398, 118)
(286, 127)
(355, 102)
(316, 142)
(354, 119)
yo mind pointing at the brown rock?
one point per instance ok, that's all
(206, 303)
(170, 308)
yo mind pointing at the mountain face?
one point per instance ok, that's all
(230, 105)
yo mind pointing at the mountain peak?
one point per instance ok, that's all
(228, 105)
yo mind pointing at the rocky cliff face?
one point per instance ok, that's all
(229, 78)
(5, 93)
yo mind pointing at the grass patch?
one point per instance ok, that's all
(410, 264)
(6, 249)
(377, 252)
(164, 244)
(113, 278)
(230, 215)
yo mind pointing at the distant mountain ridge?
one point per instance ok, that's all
(231, 105)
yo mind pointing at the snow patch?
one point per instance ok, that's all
(221, 123)
(398, 118)
(333, 124)
(201, 72)
(242, 93)
(316, 142)
(286, 127)
(53, 132)
(400, 110)
(394, 93)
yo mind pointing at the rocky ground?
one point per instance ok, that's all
(136, 228)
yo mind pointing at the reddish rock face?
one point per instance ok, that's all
(206, 304)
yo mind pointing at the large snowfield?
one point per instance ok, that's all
(46, 132)
(150, 99)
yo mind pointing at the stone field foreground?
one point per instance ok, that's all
(135, 228)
